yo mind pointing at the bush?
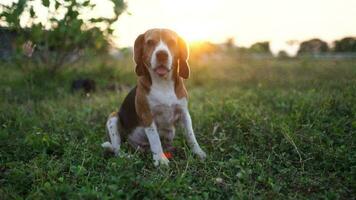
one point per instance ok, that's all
(347, 44)
(68, 30)
(313, 46)
(260, 47)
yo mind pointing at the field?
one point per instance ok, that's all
(272, 129)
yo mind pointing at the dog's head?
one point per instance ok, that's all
(159, 52)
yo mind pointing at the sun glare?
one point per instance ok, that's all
(246, 22)
(188, 22)
(193, 34)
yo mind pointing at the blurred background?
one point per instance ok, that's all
(258, 28)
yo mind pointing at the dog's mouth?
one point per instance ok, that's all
(161, 70)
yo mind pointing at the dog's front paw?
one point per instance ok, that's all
(200, 153)
(110, 149)
(160, 160)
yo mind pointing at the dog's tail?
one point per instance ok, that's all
(112, 128)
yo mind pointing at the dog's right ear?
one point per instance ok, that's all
(184, 70)
(138, 55)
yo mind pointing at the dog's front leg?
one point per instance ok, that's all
(190, 136)
(155, 144)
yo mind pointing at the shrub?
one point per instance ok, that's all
(62, 36)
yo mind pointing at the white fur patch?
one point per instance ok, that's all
(107, 145)
(155, 145)
(113, 132)
(190, 136)
(162, 46)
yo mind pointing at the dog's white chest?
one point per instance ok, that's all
(164, 104)
(162, 95)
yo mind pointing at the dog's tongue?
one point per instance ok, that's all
(161, 71)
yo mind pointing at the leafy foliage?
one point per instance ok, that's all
(313, 46)
(347, 44)
(283, 54)
(260, 47)
(68, 28)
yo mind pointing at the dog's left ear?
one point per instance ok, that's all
(138, 54)
(184, 69)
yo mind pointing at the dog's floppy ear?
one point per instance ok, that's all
(184, 70)
(138, 55)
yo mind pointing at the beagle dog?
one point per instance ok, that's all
(149, 113)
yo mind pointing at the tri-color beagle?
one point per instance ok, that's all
(150, 111)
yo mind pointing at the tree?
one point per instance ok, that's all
(347, 44)
(283, 54)
(230, 43)
(313, 46)
(260, 47)
(68, 29)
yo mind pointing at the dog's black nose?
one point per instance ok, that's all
(162, 55)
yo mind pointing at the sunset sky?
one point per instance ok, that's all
(277, 21)
(247, 22)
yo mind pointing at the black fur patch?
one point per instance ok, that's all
(127, 113)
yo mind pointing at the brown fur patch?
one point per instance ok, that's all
(179, 87)
(141, 102)
(181, 91)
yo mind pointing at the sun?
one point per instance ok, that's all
(192, 34)
(189, 22)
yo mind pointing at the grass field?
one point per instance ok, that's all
(272, 129)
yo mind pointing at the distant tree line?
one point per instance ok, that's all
(316, 46)
(262, 49)
(312, 46)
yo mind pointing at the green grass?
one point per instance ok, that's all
(272, 129)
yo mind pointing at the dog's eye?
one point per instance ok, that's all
(150, 42)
